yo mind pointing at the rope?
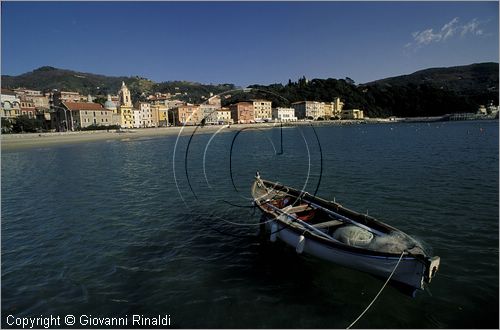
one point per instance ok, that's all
(387, 281)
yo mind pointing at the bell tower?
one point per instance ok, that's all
(125, 96)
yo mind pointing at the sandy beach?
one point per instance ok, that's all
(34, 140)
(37, 140)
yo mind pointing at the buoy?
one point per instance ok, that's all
(300, 244)
(274, 229)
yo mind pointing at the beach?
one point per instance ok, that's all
(33, 140)
(37, 140)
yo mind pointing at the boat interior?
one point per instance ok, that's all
(302, 210)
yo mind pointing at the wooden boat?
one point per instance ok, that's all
(334, 233)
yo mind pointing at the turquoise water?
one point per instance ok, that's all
(115, 228)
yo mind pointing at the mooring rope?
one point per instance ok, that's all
(383, 286)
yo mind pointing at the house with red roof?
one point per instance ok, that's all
(75, 115)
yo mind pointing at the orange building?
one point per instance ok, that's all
(187, 115)
(242, 112)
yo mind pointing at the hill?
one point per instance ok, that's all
(430, 92)
(459, 79)
(47, 78)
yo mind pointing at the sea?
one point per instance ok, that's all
(165, 227)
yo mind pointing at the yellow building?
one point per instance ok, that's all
(328, 109)
(309, 110)
(84, 114)
(125, 108)
(262, 110)
(224, 116)
(163, 115)
(352, 114)
(337, 107)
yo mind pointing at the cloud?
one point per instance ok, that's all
(472, 27)
(449, 28)
(427, 36)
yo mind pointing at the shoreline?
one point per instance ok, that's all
(12, 142)
(19, 141)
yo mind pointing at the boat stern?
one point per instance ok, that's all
(431, 268)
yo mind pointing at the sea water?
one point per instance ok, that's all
(165, 227)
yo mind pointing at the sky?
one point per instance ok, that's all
(247, 42)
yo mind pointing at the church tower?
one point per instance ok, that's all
(125, 96)
(125, 108)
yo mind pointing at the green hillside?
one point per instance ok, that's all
(47, 78)
(429, 92)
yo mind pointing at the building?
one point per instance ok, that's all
(242, 112)
(110, 104)
(224, 116)
(262, 110)
(39, 100)
(284, 114)
(21, 92)
(84, 114)
(125, 107)
(11, 105)
(124, 96)
(328, 109)
(188, 114)
(337, 107)
(160, 115)
(145, 115)
(209, 113)
(28, 109)
(215, 100)
(56, 98)
(309, 110)
(352, 114)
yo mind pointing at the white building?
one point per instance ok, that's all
(145, 115)
(309, 110)
(208, 113)
(284, 114)
(10, 104)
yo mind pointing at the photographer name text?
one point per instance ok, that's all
(47, 322)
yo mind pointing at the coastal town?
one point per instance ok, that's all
(62, 111)
(65, 111)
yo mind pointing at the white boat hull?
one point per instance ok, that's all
(410, 271)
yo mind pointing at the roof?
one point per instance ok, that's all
(76, 106)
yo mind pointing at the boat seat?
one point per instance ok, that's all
(298, 208)
(328, 224)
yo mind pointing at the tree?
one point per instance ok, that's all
(26, 124)
(349, 81)
(6, 125)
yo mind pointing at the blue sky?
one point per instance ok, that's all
(247, 42)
